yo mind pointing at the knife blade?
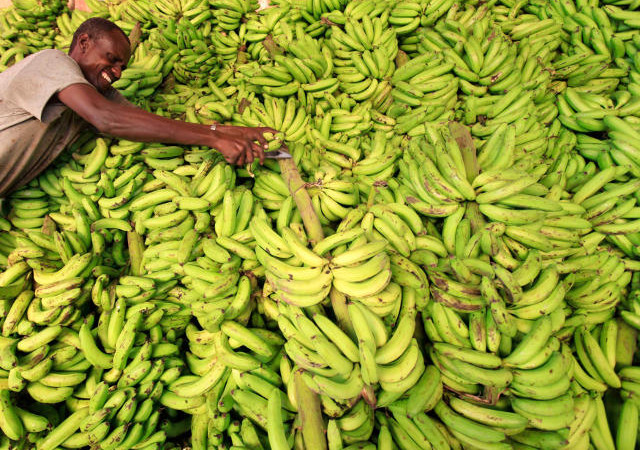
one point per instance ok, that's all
(277, 154)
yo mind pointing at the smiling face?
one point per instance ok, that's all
(102, 59)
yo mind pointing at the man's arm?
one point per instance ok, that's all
(129, 122)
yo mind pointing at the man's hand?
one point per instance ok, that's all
(241, 145)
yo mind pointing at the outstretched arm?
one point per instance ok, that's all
(237, 144)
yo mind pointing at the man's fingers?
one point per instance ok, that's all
(248, 155)
(259, 152)
(244, 155)
(233, 158)
(262, 140)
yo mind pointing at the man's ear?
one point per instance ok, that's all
(83, 42)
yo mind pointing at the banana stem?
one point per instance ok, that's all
(48, 226)
(136, 248)
(462, 136)
(339, 305)
(310, 413)
(292, 177)
(475, 216)
(135, 35)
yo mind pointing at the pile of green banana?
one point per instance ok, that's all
(27, 27)
(475, 170)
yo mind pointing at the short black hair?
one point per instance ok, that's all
(95, 27)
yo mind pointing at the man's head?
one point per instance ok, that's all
(102, 51)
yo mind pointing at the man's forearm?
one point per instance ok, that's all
(130, 122)
(135, 124)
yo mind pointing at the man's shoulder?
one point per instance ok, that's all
(51, 53)
(50, 57)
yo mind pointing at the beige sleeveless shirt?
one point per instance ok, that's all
(35, 127)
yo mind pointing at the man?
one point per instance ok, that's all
(49, 97)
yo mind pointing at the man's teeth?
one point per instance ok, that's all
(106, 77)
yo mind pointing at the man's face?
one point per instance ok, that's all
(102, 60)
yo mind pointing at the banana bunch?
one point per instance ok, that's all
(584, 112)
(97, 7)
(65, 372)
(337, 143)
(434, 180)
(209, 279)
(288, 117)
(315, 10)
(530, 349)
(29, 208)
(216, 107)
(596, 26)
(200, 273)
(630, 317)
(118, 413)
(407, 14)
(615, 222)
(595, 369)
(271, 190)
(423, 91)
(356, 425)
(185, 102)
(233, 215)
(29, 26)
(133, 11)
(394, 361)
(364, 53)
(120, 417)
(144, 74)
(622, 151)
(333, 198)
(304, 69)
(230, 13)
(326, 355)
(7, 245)
(295, 274)
(335, 123)
(406, 17)
(228, 45)
(588, 422)
(197, 60)
(378, 161)
(473, 432)
(27, 8)
(419, 431)
(269, 34)
(474, 372)
(217, 424)
(264, 22)
(12, 52)
(606, 292)
(166, 11)
(363, 269)
(221, 368)
(551, 412)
